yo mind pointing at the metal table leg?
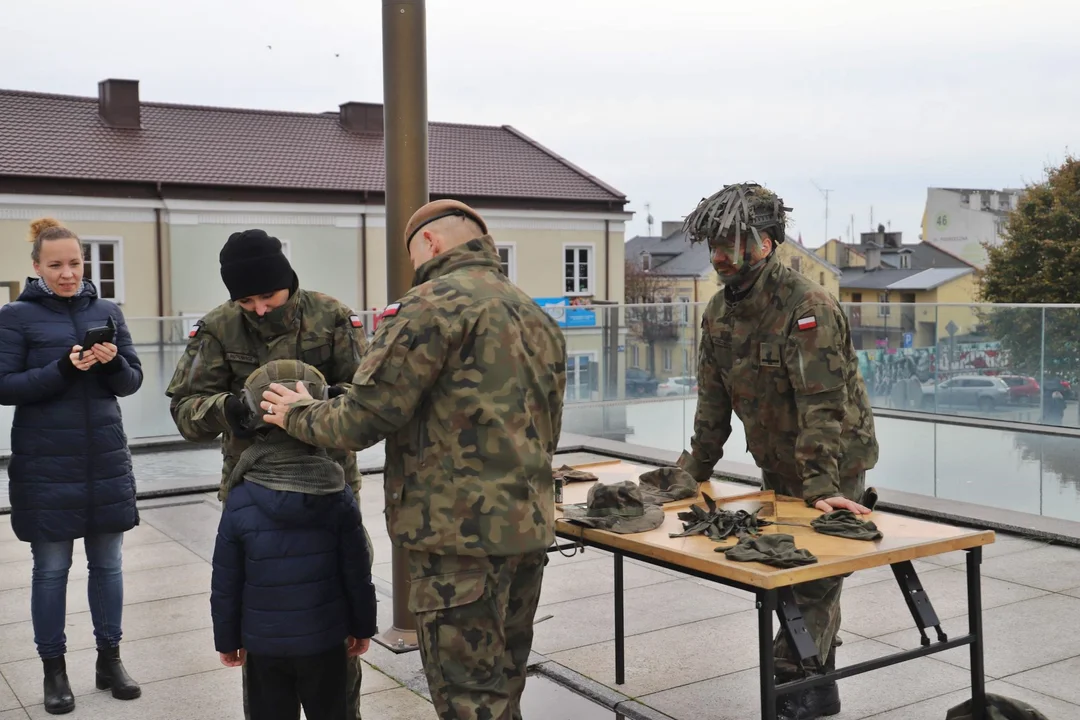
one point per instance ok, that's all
(766, 606)
(975, 629)
(620, 650)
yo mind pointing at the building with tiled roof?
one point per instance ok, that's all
(155, 189)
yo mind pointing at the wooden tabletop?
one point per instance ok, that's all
(904, 538)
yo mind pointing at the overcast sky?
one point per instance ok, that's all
(667, 101)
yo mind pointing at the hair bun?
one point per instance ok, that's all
(41, 225)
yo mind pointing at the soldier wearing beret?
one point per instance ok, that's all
(465, 381)
(776, 350)
(268, 317)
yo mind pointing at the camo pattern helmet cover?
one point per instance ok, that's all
(284, 372)
(742, 209)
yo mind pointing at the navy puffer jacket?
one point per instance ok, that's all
(70, 472)
(291, 573)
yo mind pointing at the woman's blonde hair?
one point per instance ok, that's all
(44, 229)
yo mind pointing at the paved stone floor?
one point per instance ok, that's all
(691, 645)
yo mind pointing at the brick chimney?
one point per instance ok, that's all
(118, 103)
(357, 117)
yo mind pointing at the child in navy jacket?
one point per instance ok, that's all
(291, 593)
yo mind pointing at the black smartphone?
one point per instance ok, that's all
(104, 334)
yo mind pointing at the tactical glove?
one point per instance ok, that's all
(333, 391)
(239, 417)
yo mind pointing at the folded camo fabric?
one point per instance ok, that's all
(777, 550)
(846, 524)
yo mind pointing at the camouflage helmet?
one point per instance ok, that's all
(618, 507)
(744, 210)
(284, 372)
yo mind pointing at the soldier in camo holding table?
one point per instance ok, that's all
(776, 350)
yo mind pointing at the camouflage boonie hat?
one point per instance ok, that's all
(618, 508)
(284, 372)
(667, 484)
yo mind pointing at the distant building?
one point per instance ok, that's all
(961, 220)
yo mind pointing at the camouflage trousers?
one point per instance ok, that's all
(819, 600)
(474, 622)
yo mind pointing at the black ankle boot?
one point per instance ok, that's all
(111, 674)
(817, 702)
(58, 697)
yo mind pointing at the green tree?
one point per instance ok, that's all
(1039, 262)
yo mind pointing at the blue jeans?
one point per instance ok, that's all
(48, 599)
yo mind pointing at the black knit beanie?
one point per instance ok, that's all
(252, 263)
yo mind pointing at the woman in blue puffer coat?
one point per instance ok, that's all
(70, 472)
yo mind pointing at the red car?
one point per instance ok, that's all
(1022, 389)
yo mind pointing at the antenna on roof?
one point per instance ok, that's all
(649, 217)
(824, 192)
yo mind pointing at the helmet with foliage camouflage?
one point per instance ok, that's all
(284, 372)
(738, 214)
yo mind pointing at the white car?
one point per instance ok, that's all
(677, 386)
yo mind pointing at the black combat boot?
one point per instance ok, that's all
(58, 697)
(111, 674)
(817, 702)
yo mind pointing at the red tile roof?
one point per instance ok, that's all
(56, 136)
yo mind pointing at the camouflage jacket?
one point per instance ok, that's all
(227, 345)
(465, 380)
(783, 360)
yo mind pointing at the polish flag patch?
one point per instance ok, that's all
(808, 323)
(391, 310)
(355, 320)
(194, 332)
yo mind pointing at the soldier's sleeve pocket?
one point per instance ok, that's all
(383, 361)
(442, 592)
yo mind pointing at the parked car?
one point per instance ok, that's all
(1022, 389)
(980, 391)
(677, 386)
(640, 383)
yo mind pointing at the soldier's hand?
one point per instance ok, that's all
(277, 399)
(239, 417)
(841, 503)
(334, 391)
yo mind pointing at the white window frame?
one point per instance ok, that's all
(666, 354)
(572, 380)
(511, 259)
(685, 310)
(118, 263)
(592, 279)
(635, 356)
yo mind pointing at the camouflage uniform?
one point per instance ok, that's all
(782, 359)
(465, 380)
(228, 344)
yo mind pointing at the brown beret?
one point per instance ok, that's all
(440, 209)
